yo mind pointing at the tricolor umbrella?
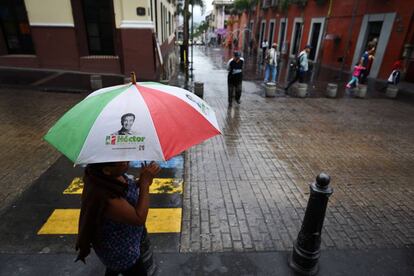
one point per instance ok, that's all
(141, 121)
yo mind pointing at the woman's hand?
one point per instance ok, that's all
(148, 172)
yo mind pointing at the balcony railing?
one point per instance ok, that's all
(270, 3)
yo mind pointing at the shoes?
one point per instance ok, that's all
(348, 86)
(238, 101)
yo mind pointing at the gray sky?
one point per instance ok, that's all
(198, 17)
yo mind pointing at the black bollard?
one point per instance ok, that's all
(306, 249)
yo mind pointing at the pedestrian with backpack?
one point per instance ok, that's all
(272, 57)
(302, 66)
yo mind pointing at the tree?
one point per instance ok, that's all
(186, 28)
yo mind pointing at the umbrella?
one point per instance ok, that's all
(135, 121)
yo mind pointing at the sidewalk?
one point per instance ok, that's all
(53, 80)
(333, 262)
(318, 79)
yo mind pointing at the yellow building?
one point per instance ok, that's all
(103, 36)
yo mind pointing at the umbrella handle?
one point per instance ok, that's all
(133, 78)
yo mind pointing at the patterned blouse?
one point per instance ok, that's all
(119, 248)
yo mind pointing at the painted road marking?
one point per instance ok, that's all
(159, 220)
(159, 186)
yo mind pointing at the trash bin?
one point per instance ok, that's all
(392, 91)
(331, 90)
(301, 90)
(361, 91)
(270, 89)
(199, 88)
(96, 82)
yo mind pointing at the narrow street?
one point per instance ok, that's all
(241, 196)
(247, 189)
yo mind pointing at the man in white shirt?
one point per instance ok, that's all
(272, 57)
(302, 66)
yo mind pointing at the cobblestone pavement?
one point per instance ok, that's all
(25, 116)
(247, 189)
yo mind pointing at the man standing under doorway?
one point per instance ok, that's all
(272, 57)
(302, 66)
(235, 77)
(264, 47)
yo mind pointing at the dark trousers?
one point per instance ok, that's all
(363, 76)
(138, 269)
(300, 75)
(234, 89)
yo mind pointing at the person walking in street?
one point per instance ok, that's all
(355, 76)
(272, 57)
(264, 47)
(114, 208)
(302, 66)
(235, 77)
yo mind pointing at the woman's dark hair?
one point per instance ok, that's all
(99, 166)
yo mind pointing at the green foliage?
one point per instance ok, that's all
(244, 5)
(202, 27)
(320, 2)
(284, 5)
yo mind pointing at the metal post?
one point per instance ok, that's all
(306, 249)
(192, 35)
(348, 41)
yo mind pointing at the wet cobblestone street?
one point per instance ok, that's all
(247, 189)
(25, 116)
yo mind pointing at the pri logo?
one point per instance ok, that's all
(111, 140)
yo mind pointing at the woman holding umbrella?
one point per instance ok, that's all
(113, 214)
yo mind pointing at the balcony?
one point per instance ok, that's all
(222, 2)
(270, 3)
(266, 4)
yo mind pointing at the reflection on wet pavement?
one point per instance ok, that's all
(247, 189)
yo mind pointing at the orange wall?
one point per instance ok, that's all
(340, 24)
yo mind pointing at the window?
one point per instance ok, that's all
(98, 16)
(282, 35)
(314, 41)
(163, 22)
(271, 32)
(156, 16)
(15, 27)
(262, 31)
(296, 38)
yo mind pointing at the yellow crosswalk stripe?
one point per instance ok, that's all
(159, 220)
(159, 186)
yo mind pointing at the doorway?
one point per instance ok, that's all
(296, 37)
(99, 20)
(15, 27)
(376, 29)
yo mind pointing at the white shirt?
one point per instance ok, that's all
(303, 60)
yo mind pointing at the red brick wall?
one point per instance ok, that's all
(340, 24)
(138, 53)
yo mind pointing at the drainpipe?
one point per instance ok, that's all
(354, 10)
(320, 50)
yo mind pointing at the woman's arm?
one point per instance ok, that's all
(118, 209)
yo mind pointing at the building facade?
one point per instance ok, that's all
(218, 21)
(102, 36)
(339, 31)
